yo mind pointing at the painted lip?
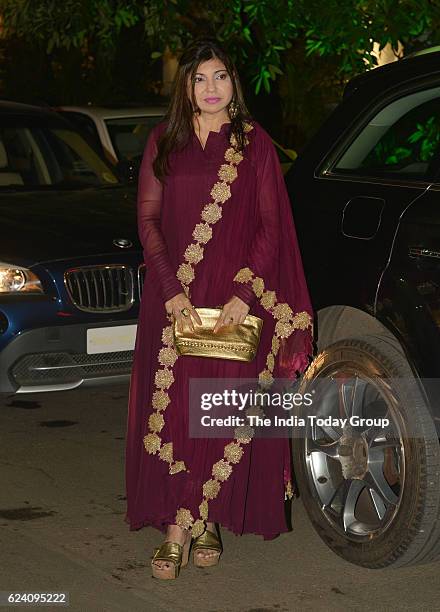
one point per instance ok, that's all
(212, 100)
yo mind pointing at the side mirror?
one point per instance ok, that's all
(291, 153)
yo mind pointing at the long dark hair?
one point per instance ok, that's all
(179, 117)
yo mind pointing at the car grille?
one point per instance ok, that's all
(100, 288)
(51, 368)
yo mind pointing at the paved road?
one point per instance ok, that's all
(61, 527)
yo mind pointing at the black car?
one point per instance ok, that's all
(366, 199)
(70, 261)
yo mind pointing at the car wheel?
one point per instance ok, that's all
(371, 490)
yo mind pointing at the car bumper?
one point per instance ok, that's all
(57, 358)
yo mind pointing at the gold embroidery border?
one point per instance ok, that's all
(287, 322)
(202, 233)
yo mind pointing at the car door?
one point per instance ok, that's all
(386, 161)
(409, 292)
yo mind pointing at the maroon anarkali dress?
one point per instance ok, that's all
(235, 213)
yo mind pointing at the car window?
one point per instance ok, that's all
(38, 155)
(402, 140)
(86, 125)
(129, 135)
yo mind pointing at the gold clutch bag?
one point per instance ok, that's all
(238, 342)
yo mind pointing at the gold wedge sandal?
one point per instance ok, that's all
(207, 541)
(176, 555)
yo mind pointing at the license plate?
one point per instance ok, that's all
(111, 339)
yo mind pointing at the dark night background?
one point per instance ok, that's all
(294, 58)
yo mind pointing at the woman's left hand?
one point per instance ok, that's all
(233, 313)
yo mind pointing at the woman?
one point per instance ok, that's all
(216, 227)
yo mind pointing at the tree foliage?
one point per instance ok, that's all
(69, 23)
(294, 54)
(257, 32)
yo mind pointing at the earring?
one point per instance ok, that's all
(232, 109)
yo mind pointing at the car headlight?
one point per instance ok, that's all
(14, 279)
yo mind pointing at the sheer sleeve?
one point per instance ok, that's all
(263, 252)
(149, 205)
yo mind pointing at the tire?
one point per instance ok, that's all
(371, 493)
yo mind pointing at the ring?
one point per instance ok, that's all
(185, 312)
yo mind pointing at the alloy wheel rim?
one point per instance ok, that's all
(356, 473)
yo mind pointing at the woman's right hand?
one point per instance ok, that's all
(174, 307)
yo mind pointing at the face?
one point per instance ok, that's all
(212, 86)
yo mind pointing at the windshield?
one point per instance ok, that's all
(35, 153)
(129, 135)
